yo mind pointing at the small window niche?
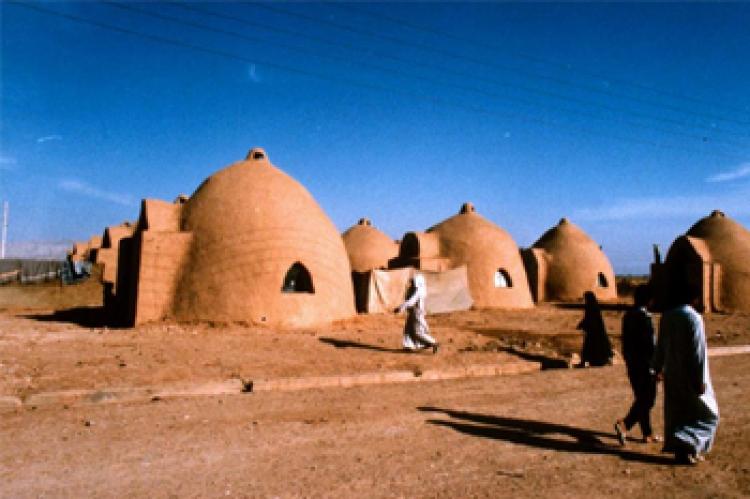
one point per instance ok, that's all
(502, 279)
(601, 280)
(297, 280)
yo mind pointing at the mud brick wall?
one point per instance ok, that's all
(108, 254)
(108, 258)
(160, 216)
(162, 257)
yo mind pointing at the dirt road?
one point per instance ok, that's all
(548, 433)
(543, 434)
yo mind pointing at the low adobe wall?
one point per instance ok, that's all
(162, 256)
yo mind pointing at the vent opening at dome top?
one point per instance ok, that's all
(502, 279)
(467, 208)
(297, 280)
(601, 280)
(256, 154)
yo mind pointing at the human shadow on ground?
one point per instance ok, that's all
(364, 346)
(544, 435)
(547, 361)
(82, 316)
(602, 305)
(510, 339)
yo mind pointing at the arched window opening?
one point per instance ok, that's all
(502, 279)
(602, 280)
(409, 246)
(297, 280)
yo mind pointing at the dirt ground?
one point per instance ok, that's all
(53, 294)
(43, 351)
(546, 433)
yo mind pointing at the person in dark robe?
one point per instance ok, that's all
(597, 350)
(638, 344)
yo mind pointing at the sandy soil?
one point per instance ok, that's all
(53, 294)
(547, 433)
(46, 351)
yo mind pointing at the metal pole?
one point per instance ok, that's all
(5, 228)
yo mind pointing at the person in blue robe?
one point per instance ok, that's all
(691, 413)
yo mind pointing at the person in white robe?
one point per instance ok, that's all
(416, 331)
(691, 413)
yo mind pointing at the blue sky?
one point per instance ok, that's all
(633, 120)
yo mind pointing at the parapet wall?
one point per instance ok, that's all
(162, 256)
(108, 258)
(159, 216)
(535, 261)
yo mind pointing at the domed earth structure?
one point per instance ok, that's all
(565, 263)
(250, 245)
(713, 257)
(367, 247)
(495, 271)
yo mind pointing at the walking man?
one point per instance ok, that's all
(638, 344)
(416, 331)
